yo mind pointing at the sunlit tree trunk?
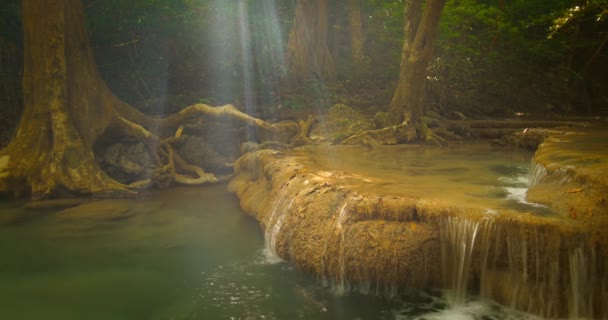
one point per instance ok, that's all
(308, 54)
(357, 38)
(67, 107)
(420, 30)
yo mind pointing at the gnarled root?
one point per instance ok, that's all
(428, 136)
(302, 137)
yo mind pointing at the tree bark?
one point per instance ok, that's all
(308, 55)
(67, 107)
(420, 30)
(357, 39)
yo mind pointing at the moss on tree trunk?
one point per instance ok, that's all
(67, 107)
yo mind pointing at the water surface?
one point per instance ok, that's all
(186, 254)
(467, 175)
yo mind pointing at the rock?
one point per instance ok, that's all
(350, 229)
(339, 123)
(196, 151)
(127, 161)
(529, 138)
(54, 203)
(383, 120)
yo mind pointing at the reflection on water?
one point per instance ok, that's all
(184, 254)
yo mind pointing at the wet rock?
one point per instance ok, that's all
(317, 220)
(529, 138)
(54, 203)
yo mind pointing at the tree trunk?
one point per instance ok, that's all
(357, 38)
(420, 30)
(67, 107)
(308, 54)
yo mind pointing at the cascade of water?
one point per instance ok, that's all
(534, 269)
(457, 236)
(581, 280)
(537, 174)
(274, 223)
(341, 283)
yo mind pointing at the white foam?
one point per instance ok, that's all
(471, 310)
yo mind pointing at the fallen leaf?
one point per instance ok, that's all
(575, 190)
(572, 213)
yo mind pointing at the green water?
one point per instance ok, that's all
(184, 254)
(188, 254)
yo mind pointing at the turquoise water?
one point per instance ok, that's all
(183, 254)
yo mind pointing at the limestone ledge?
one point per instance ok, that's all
(393, 242)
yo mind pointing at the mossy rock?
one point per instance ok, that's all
(383, 120)
(340, 122)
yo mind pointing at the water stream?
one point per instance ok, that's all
(186, 254)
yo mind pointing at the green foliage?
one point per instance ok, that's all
(11, 61)
(493, 57)
(496, 57)
(148, 49)
(10, 21)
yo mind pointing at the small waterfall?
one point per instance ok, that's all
(457, 243)
(340, 284)
(537, 174)
(580, 283)
(588, 287)
(535, 269)
(274, 223)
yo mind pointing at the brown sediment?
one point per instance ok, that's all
(351, 229)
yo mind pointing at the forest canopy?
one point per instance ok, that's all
(162, 55)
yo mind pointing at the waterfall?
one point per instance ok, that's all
(537, 174)
(274, 223)
(535, 269)
(457, 242)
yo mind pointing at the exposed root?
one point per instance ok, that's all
(202, 176)
(427, 135)
(302, 137)
(148, 138)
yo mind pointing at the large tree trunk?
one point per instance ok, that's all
(357, 39)
(420, 30)
(53, 146)
(67, 107)
(308, 55)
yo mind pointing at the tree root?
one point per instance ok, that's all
(302, 137)
(172, 170)
(428, 136)
(172, 167)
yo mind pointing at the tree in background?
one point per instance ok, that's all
(495, 58)
(357, 37)
(308, 55)
(420, 29)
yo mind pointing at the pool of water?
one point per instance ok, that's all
(187, 253)
(467, 175)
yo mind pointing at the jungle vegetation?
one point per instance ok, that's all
(74, 73)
